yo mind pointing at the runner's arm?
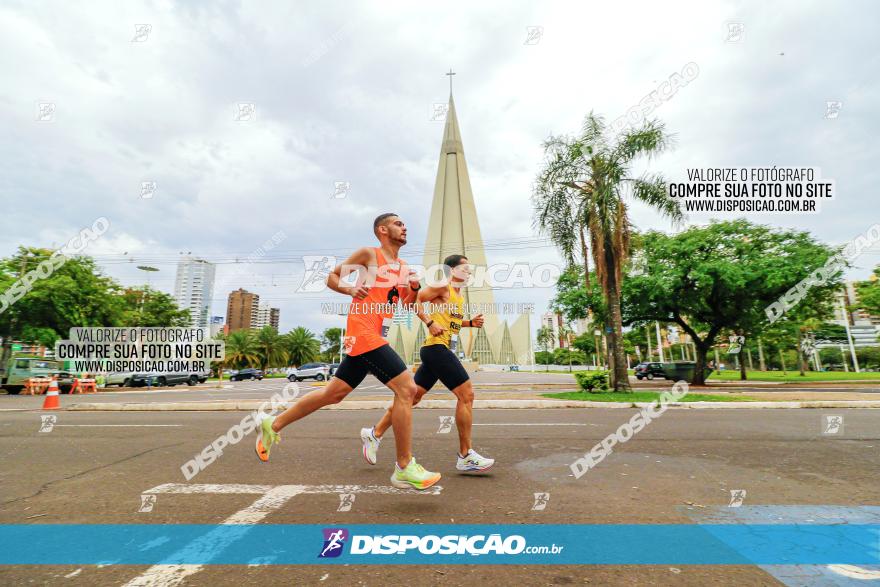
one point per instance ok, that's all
(475, 322)
(429, 295)
(358, 261)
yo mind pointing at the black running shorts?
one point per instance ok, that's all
(382, 362)
(438, 362)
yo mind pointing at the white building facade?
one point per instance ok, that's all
(194, 288)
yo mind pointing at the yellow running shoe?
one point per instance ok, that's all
(266, 437)
(414, 476)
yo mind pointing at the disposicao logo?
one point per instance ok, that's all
(334, 542)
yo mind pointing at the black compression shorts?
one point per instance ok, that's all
(438, 362)
(382, 362)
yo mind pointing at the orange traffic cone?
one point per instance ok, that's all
(52, 402)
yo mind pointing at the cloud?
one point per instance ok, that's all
(342, 93)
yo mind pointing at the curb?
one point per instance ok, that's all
(250, 405)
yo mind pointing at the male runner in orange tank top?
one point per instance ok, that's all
(383, 281)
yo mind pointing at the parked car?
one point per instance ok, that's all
(316, 371)
(163, 379)
(649, 371)
(332, 367)
(121, 378)
(247, 374)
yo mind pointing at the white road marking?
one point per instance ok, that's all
(854, 572)
(272, 498)
(536, 424)
(119, 425)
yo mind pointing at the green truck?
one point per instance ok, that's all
(18, 369)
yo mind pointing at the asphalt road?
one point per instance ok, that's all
(94, 467)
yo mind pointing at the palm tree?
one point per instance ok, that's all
(270, 347)
(545, 339)
(241, 350)
(584, 184)
(301, 346)
(331, 339)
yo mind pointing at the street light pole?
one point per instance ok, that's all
(849, 338)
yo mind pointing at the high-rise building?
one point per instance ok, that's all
(242, 308)
(266, 316)
(194, 288)
(553, 322)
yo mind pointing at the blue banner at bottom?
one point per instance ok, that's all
(605, 544)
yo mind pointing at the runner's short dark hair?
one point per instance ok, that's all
(380, 220)
(453, 260)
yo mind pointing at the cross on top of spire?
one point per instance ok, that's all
(450, 74)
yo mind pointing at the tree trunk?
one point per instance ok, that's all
(782, 361)
(615, 342)
(608, 353)
(586, 258)
(648, 338)
(700, 367)
(761, 362)
(800, 353)
(742, 360)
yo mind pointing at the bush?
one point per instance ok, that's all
(543, 358)
(592, 381)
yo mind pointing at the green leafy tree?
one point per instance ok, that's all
(330, 341)
(543, 358)
(585, 343)
(586, 183)
(869, 293)
(721, 278)
(302, 346)
(831, 332)
(270, 347)
(146, 307)
(76, 294)
(545, 340)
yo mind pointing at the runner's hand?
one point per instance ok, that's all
(359, 292)
(414, 280)
(435, 329)
(477, 321)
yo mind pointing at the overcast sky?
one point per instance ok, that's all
(343, 91)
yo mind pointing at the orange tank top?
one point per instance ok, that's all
(370, 318)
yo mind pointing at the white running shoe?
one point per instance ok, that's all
(371, 445)
(473, 461)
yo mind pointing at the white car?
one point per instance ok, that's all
(122, 379)
(316, 371)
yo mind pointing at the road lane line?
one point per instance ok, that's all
(273, 498)
(534, 424)
(119, 425)
(855, 572)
